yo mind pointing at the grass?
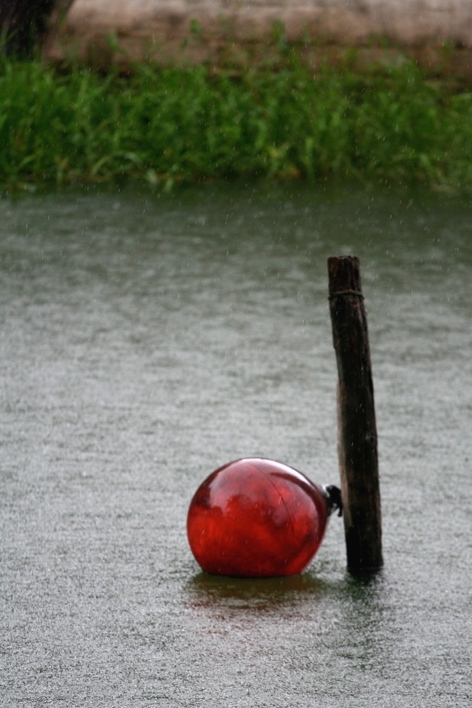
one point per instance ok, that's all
(194, 124)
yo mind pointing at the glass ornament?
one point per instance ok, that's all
(257, 518)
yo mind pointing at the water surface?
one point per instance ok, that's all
(149, 338)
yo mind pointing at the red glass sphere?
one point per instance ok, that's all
(256, 518)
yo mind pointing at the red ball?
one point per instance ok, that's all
(256, 518)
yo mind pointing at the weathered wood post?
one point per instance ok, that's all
(357, 444)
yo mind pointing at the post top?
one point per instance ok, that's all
(344, 274)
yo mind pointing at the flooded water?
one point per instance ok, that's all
(146, 340)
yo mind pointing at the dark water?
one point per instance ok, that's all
(148, 339)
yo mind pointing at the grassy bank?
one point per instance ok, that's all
(175, 123)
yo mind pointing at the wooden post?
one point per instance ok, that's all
(357, 444)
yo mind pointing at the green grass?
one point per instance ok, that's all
(193, 124)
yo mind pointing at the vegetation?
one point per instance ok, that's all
(167, 124)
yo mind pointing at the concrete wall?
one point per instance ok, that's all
(159, 28)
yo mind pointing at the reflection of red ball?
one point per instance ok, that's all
(256, 518)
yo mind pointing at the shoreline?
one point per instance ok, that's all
(195, 124)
